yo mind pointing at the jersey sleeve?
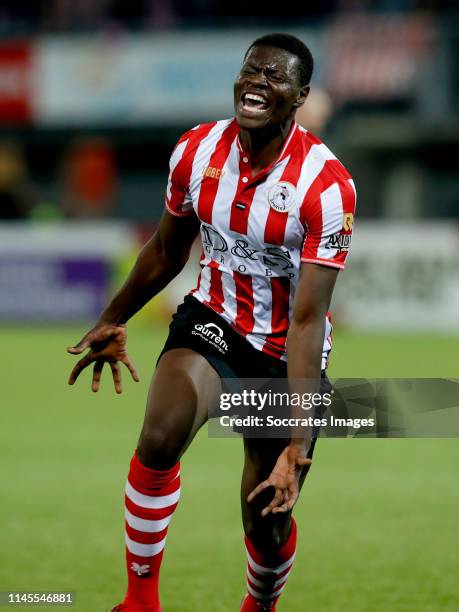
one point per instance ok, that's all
(329, 223)
(178, 200)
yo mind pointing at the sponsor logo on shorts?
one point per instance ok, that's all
(212, 334)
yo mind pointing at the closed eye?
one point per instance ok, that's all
(276, 76)
(248, 71)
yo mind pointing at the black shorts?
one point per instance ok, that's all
(200, 329)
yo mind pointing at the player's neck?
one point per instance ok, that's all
(264, 145)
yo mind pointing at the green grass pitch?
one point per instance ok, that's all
(377, 519)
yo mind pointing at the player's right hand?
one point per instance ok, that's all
(107, 344)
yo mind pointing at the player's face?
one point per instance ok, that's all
(267, 91)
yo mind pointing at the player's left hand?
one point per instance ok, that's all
(284, 479)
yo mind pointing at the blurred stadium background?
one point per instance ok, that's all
(93, 96)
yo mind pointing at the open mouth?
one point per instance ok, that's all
(254, 102)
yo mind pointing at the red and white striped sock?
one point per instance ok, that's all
(151, 498)
(267, 576)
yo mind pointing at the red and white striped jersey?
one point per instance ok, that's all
(256, 231)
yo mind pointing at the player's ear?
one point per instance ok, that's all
(301, 99)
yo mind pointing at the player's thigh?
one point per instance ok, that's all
(183, 389)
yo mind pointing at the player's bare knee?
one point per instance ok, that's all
(158, 448)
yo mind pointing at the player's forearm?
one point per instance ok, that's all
(153, 270)
(304, 347)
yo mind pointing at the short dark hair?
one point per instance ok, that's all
(293, 45)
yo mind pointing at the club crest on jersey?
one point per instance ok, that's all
(282, 197)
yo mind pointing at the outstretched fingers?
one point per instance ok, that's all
(96, 376)
(107, 343)
(276, 500)
(130, 366)
(80, 366)
(283, 500)
(261, 487)
(288, 503)
(116, 373)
